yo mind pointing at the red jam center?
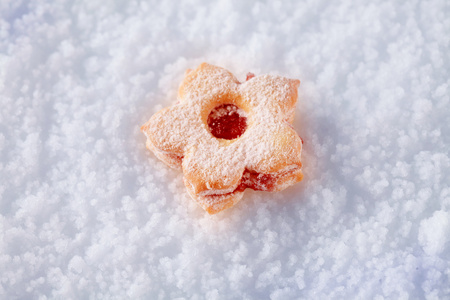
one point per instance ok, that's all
(227, 121)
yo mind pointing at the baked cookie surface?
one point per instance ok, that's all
(227, 136)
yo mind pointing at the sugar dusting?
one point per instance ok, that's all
(214, 166)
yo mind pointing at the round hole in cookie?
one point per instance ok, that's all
(227, 121)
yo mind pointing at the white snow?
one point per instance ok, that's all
(434, 233)
(86, 212)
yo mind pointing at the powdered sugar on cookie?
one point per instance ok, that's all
(228, 135)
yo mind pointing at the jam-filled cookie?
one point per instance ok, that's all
(227, 136)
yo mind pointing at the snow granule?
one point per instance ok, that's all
(434, 233)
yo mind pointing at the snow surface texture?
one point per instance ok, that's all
(87, 212)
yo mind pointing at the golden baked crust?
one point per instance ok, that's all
(217, 171)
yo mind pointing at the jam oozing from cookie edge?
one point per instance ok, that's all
(227, 121)
(258, 182)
